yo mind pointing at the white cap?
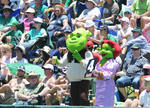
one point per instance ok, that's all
(147, 79)
(93, 1)
(48, 66)
(21, 48)
(38, 19)
(89, 23)
(125, 19)
(30, 10)
(46, 49)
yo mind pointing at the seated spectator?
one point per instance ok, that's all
(105, 35)
(13, 35)
(33, 36)
(49, 80)
(140, 7)
(10, 90)
(78, 7)
(25, 93)
(110, 9)
(144, 96)
(124, 34)
(91, 13)
(28, 19)
(20, 51)
(6, 58)
(90, 26)
(39, 8)
(57, 22)
(44, 56)
(137, 38)
(6, 19)
(132, 71)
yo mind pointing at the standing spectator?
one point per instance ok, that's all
(132, 71)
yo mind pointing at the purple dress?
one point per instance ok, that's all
(105, 88)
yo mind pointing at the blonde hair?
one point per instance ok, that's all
(6, 47)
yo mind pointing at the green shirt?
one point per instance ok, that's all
(140, 7)
(68, 2)
(5, 22)
(40, 11)
(33, 35)
(28, 90)
(15, 36)
(110, 37)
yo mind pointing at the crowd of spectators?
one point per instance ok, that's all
(35, 31)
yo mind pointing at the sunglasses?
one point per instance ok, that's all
(134, 49)
(127, 12)
(32, 77)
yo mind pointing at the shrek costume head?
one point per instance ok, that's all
(76, 41)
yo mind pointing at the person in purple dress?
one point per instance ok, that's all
(105, 71)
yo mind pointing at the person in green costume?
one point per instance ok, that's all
(105, 72)
(76, 60)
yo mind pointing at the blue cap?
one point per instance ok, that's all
(127, 10)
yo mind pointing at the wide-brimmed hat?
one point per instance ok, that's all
(6, 7)
(22, 68)
(93, 1)
(135, 46)
(46, 49)
(19, 47)
(38, 19)
(48, 66)
(32, 73)
(137, 29)
(89, 23)
(30, 10)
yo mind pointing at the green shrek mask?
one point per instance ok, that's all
(76, 41)
(109, 49)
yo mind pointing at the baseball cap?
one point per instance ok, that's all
(146, 66)
(135, 46)
(137, 29)
(125, 19)
(22, 68)
(127, 10)
(48, 66)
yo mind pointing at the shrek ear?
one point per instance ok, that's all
(88, 34)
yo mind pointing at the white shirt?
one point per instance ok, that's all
(76, 71)
(23, 60)
(144, 98)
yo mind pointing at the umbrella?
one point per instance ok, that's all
(29, 67)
